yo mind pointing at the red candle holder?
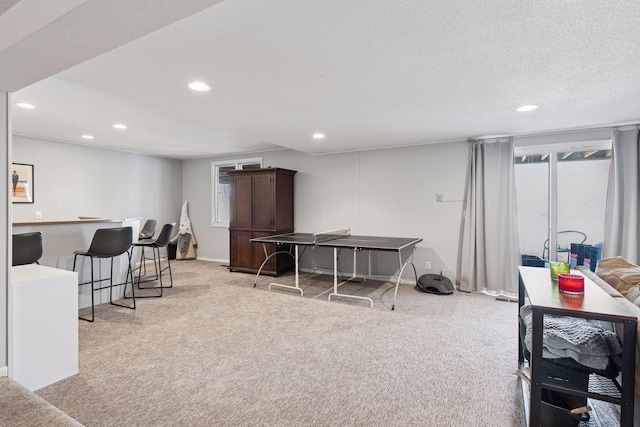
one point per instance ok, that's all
(573, 301)
(571, 283)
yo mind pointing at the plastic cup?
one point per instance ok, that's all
(557, 267)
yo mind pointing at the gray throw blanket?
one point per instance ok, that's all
(582, 340)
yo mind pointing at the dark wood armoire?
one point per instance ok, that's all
(261, 204)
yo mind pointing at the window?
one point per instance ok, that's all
(561, 190)
(220, 187)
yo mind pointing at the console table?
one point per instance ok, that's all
(535, 284)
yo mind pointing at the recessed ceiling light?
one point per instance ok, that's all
(524, 108)
(119, 126)
(26, 105)
(87, 136)
(199, 86)
(318, 136)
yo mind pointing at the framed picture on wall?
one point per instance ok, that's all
(21, 183)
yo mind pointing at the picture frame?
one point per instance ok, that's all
(21, 185)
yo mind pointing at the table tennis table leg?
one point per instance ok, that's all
(267, 257)
(355, 265)
(335, 279)
(297, 286)
(402, 267)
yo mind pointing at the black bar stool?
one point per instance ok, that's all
(161, 242)
(148, 230)
(27, 248)
(108, 243)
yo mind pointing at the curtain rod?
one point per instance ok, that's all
(557, 132)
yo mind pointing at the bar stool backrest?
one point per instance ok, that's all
(110, 242)
(148, 230)
(27, 248)
(165, 235)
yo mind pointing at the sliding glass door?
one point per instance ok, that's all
(561, 192)
(532, 188)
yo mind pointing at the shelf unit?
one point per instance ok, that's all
(535, 284)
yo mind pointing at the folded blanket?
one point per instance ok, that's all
(582, 340)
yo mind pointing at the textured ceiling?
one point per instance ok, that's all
(368, 74)
(6, 5)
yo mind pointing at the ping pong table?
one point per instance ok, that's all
(338, 240)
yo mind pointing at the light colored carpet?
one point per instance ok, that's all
(216, 351)
(21, 408)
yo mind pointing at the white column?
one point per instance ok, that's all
(5, 224)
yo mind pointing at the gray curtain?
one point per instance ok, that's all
(490, 246)
(622, 215)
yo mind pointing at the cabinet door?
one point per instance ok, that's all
(241, 255)
(263, 187)
(283, 196)
(241, 211)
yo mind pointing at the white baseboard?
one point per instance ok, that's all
(222, 261)
(4, 371)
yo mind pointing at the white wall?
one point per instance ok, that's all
(5, 223)
(380, 192)
(75, 180)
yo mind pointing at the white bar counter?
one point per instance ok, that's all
(43, 325)
(60, 239)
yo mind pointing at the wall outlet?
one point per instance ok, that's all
(427, 265)
(438, 197)
(38, 214)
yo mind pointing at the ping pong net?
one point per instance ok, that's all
(325, 236)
